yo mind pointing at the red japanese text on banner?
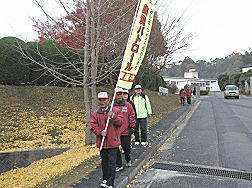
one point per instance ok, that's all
(137, 44)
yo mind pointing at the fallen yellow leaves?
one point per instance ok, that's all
(37, 119)
(51, 117)
(42, 117)
(45, 169)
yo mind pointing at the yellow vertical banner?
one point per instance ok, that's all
(137, 44)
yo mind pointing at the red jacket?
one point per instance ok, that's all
(98, 121)
(189, 93)
(182, 94)
(129, 120)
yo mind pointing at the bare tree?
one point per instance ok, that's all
(98, 28)
(92, 36)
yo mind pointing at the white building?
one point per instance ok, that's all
(191, 78)
(191, 74)
(246, 68)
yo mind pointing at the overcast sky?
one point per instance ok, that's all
(220, 26)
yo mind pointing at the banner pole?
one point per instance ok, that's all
(126, 82)
(106, 127)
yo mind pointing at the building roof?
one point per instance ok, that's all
(173, 77)
(191, 79)
(246, 66)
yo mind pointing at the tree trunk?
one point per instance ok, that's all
(95, 32)
(88, 133)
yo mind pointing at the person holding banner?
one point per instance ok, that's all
(134, 54)
(111, 143)
(106, 130)
(143, 109)
(129, 122)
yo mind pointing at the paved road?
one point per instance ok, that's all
(218, 135)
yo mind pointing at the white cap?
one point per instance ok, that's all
(126, 91)
(119, 90)
(138, 87)
(102, 95)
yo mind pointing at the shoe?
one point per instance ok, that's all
(144, 143)
(109, 186)
(119, 169)
(137, 143)
(128, 164)
(104, 183)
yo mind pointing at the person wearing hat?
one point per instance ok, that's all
(129, 122)
(126, 97)
(143, 109)
(111, 144)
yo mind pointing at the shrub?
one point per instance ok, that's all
(203, 92)
(172, 88)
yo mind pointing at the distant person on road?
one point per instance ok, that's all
(143, 109)
(194, 91)
(129, 122)
(189, 95)
(182, 95)
(111, 144)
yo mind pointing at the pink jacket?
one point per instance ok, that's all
(182, 94)
(189, 93)
(98, 121)
(129, 120)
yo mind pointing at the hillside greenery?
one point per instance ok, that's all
(210, 69)
(234, 78)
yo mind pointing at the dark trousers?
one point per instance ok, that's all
(108, 162)
(142, 123)
(126, 144)
(188, 100)
(182, 100)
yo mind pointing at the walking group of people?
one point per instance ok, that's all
(128, 115)
(186, 94)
